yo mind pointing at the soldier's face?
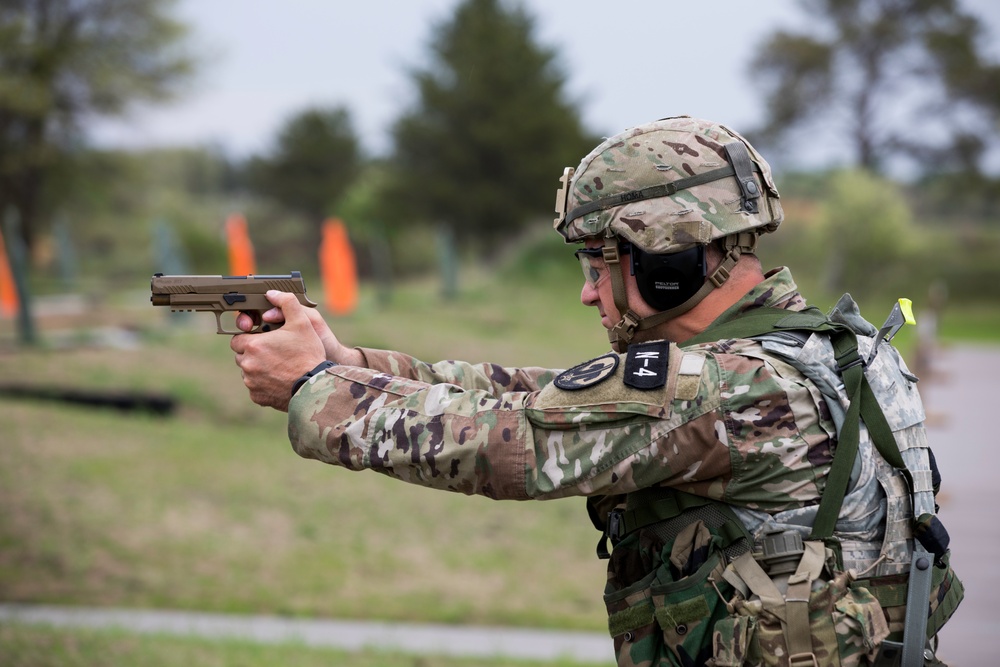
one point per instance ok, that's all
(598, 291)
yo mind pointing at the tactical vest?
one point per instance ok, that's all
(692, 581)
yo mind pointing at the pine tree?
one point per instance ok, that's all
(483, 149)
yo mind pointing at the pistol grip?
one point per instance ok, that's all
(262, 327)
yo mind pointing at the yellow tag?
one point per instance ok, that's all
(906, 306)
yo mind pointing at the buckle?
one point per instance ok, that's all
(857, 361)
(719, 276)
(804, 659)
(611, 255)
(616, 526)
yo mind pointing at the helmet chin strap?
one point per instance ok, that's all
(620, 335)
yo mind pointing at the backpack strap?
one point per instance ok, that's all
(863, 405)
(862, 402)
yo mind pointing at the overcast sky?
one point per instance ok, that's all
(641, 60)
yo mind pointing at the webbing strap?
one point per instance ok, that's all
(653, 192)
(792, 608)
(918, 597)
(743, 165)
(848, 440)
(757, 581)
(798, 636)
(761, 321)
(879, 429)
(655, 504)
(863, 404)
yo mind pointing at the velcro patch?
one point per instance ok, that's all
(689, 377)
(646, 365)
(588, 373)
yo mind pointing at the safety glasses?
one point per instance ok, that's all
(595, 269)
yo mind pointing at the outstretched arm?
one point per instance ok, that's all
(271, 362)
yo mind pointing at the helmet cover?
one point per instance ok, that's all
(666, 151)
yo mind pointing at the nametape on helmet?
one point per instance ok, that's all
(588, 373)
(646, 365)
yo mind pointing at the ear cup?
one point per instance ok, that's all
(667, 281)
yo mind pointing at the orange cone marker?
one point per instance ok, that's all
(241, 260)
(337, 268)
(8, 290)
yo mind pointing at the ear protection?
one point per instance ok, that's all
(666, 281)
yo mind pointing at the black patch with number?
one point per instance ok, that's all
(588, 373)
(646, 365)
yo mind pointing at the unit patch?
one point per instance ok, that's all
(588, 373)
(646, 365)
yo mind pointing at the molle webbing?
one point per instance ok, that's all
(668, 511)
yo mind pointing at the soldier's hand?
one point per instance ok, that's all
(271, 362)
(335, 350)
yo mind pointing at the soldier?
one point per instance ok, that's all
(760, 469)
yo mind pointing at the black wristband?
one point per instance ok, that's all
(316, 371)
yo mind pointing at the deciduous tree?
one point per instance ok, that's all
(65, 62)
(896, 78)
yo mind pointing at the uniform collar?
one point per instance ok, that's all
(777, 290)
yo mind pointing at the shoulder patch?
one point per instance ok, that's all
(646, 365)
(588, 373)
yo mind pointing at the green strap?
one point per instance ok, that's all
(880, 431)
(846, 350)
(761, 321)
(862, 402)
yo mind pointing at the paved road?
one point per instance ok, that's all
(961, 402)
(349, 635)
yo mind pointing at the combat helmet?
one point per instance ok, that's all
(662, 192)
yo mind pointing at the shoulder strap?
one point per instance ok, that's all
(863, 404)
(762, 321)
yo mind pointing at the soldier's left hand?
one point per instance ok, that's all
(271, 362)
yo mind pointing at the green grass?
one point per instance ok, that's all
(41, 646)
(974, 323)
(211, 510)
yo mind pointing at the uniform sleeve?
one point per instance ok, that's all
(492, 378)
(547, 443)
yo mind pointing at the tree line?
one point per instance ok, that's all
(478, 154)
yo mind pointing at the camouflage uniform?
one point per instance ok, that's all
(731, 434)
(747, 436)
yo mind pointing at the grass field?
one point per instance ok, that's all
(210, 510)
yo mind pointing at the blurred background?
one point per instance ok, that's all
(218, 137)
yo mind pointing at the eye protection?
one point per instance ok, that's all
(595, 269)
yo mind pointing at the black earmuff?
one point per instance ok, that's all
(666, 281)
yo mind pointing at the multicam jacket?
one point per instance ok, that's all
(730, 421)
(745, 432)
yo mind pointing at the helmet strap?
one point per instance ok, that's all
(734, 246)
(621, 334)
